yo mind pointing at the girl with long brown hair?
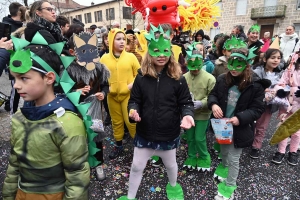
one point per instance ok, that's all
(158, 99)
(238, 95)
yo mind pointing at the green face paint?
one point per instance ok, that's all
(237, 64)
(20, 62)
(196, 64)
(160, 47)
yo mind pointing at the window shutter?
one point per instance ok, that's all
(241, 7)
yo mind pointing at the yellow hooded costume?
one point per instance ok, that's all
(143, 47)
(123, 71)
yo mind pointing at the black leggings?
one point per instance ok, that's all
(99, 154)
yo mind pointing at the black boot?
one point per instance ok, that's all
(116, 152)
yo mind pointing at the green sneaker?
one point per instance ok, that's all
(125, 198)
(154, 158)
(174, 193)
(190, 162)
(221, 172)
(204, 164)
(225, 192)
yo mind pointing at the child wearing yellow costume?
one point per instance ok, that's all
(141, 43)
(123, 67)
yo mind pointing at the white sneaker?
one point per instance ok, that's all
(220, 197)
(100, 174)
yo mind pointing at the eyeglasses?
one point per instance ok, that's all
(49, 9)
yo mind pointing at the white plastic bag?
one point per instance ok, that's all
(95, 111)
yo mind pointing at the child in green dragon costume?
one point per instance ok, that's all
(49, 151)
(200, 84)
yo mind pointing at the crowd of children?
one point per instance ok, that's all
(152, 85)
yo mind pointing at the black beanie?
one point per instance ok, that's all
(129, 31)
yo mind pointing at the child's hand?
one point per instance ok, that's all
(217, 111)
(134, 115)
(84, 90)
(187, 122)
(100, 95)
(129, 86)
(234, 121)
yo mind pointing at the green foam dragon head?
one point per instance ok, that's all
(159, 42)
(234, 43)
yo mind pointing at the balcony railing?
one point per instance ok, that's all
(268, 12)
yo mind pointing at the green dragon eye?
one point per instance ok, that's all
(20, 62)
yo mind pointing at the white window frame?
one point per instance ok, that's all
(241, 7)
(297, 28)
(298, 5)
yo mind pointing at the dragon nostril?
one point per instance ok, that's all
(17, 63)
(164, 7)
(154, 9)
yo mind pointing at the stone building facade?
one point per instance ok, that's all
(105, 14)
(271, 15)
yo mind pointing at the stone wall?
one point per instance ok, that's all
(229, 17)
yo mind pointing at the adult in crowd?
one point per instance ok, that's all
(288, 42)
(4, 55)
(43, 17)
(115, 24)
(17, 15)
(64, 24)
(267, 38)
(238, 31)
(253, 41)
(92, 28)
(200, 37)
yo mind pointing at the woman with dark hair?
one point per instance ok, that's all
(43, 17)
(200, 37)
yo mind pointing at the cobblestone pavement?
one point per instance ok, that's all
(258, 179)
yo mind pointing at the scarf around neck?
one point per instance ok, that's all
(53, 28)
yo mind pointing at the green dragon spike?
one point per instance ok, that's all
(234, 43)
(255, 28)
(158, 45)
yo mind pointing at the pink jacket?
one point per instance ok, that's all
(291, 77)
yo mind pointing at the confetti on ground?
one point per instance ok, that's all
(258, 179)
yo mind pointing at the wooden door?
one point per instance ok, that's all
(266, 28)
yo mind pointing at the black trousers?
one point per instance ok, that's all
(99, 154)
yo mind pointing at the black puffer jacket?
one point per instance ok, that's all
(14, 24)
(249, 107)
(160, 103)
